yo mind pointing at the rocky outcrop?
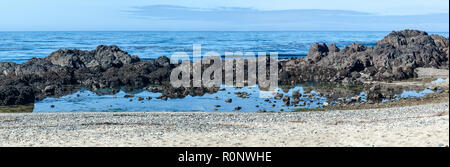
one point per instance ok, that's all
(61, 71)
(103, 57)
(393, 58)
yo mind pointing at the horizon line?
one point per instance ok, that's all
(216, 30)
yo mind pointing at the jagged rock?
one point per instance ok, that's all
(16, 94)
(393, 58)
(287, 100)
(278, 96)
(102, 57)
(296, 94)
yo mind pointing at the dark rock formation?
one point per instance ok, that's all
(102, 58)
(57, 74)
(393, 58)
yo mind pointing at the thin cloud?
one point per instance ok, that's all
(231, 18)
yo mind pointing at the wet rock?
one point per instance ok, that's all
(163, 61)
(393, 58)
(374, 94)
(296, 94)
(50, 88)
(228, 100)
(16, 94)
(287, 100)
(163, 97)
(278, 96)
(295, 101)
(102, 57)
(242, 94)
(355, 99)
(237, 108)
(129, 96)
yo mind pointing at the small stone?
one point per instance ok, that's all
(164, 98)
(296, 94)
(49, 88)
(228, 100)
(52, 106)
(129, 96)
(287, 100)
(278, 96)
(355, 99)
(237, 108)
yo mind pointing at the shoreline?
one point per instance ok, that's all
(421, 125)
(109, 67)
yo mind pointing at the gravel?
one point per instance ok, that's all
(422, 125)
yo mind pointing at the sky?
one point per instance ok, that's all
(221, 15)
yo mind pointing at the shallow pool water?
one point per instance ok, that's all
(257, 101)
(87, 101)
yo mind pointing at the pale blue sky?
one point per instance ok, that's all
(382, 15)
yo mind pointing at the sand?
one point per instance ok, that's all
(422, 125)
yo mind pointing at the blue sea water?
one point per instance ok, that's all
(20, 46)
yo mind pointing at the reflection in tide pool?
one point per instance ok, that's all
(256, 101)
(412, 93)
(87, 101)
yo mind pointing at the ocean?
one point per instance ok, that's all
(20, 46)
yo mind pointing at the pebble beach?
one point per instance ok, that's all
(421, 125)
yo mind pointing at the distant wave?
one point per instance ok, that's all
(20, 46)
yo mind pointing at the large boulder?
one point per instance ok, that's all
(102, 57)
(393, 58)
(15, 92)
